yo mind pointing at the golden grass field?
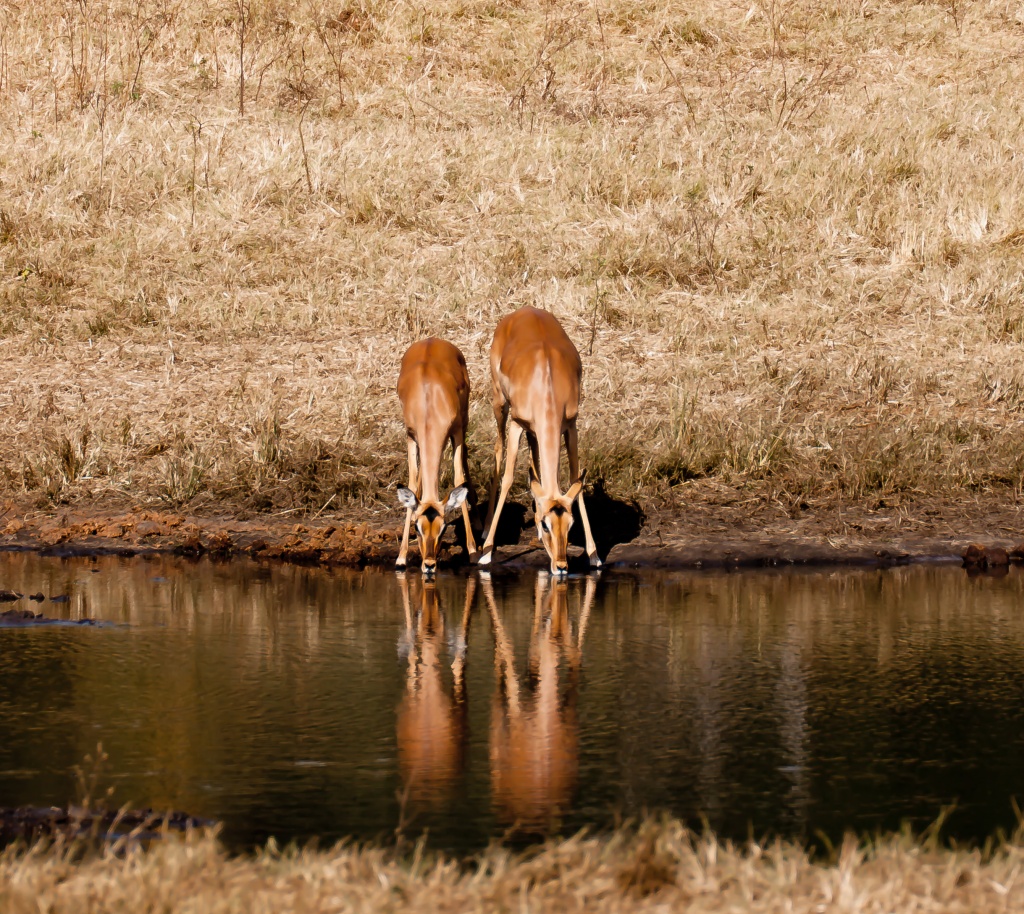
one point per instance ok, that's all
(785, 236)
(660, 867)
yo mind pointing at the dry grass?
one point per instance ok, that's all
(660, 867)
(785, 236)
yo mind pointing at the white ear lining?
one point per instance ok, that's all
(408, 498)
(456, 497)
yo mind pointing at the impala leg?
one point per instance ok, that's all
(531, 439)
(572, 451)
(461, 475)
(504, 656)
(459, 663)
(414, 484)
(501, 417)
(465, 467)
(515, 433)
(407, 640)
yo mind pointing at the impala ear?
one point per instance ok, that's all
(576, 487)
(408, 498)
(455, 498)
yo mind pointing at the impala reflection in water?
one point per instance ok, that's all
(534, 732)
(534, 743)
(431, 717)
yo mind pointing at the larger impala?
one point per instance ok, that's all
(536, 374)
(433, 385)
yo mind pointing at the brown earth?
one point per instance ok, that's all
(738, 535)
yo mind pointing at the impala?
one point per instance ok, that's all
(433, 385)
(536, 375)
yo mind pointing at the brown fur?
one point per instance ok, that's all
(536, 376)
(433, 387)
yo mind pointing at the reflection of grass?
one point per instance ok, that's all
(89, 826)
(786, 237)
(660, 866)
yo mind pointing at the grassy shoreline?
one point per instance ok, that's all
(659, 866)
(785, 237)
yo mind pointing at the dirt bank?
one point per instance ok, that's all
(740, 535)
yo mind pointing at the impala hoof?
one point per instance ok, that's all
(595, 561)
(484, 558)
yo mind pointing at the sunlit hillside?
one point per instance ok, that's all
(786, 238)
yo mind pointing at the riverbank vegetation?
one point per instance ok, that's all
(785, 236)
(660, 866)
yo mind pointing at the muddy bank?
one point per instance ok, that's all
(664, 536)
(106, 530)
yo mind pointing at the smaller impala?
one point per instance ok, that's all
(536, 374)
(433, 385)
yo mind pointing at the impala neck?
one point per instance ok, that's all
(548, 449)
(430, 446)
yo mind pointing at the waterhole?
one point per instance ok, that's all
(308, 704)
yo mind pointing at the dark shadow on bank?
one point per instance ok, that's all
(511, 524)
(612, 521)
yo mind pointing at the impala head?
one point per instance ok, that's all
(428, 518)
(553, 515)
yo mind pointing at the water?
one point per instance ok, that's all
(298, 702)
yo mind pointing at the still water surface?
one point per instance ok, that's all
(299, 702)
